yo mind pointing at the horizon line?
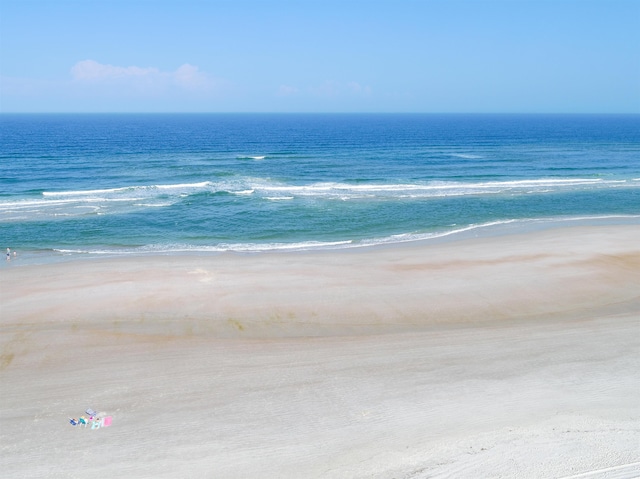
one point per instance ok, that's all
(303, 113)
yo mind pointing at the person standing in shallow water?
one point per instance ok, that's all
(8, 254)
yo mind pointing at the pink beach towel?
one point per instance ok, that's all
(106, 422)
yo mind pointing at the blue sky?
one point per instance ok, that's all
(556, 56)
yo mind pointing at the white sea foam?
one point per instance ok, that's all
(138, 188)
(219, 248)
(86, 192)
(105, 200)
(202, 184)
(122, 199)
(466, 156)
(345, 191)
(245, 186)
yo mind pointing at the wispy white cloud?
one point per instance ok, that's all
(186, 76)
(190, 76)
(90, 70)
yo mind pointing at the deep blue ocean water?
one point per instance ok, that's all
(127, 183)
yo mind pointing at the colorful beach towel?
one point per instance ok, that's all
(96, 419)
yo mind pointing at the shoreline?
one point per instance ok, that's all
(501, 356)
(485, 230)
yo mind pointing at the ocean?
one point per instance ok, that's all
(78, 185)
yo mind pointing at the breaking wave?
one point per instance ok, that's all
(128, 198)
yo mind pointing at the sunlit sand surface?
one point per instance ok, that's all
(508, 356)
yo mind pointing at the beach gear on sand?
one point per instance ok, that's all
(95, 419)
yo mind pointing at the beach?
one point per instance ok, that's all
(512, 355)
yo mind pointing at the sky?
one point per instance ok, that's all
(428, 56)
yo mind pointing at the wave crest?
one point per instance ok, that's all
(64, 204)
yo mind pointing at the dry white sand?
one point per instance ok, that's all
(512, 356)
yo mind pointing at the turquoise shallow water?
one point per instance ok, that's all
(129, 184)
